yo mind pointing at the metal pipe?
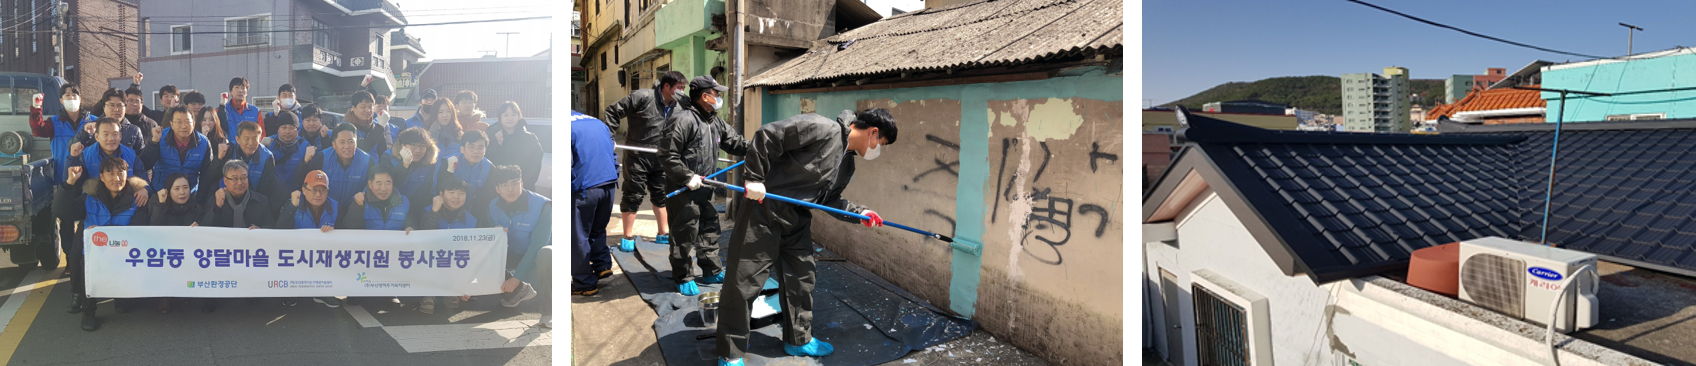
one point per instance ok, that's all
(715, 174)
(957, 243)
(654, 151)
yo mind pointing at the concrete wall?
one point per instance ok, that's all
(210, 66)
(1637, 75)
(1031, 169)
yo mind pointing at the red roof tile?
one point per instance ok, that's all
(1497, 99)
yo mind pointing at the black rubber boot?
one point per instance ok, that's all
(89, 322)
(76, 305)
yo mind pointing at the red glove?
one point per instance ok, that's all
(875, 221)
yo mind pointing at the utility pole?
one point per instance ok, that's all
(508, 41)
(737, 49)
(59, 36)
(1629, 30)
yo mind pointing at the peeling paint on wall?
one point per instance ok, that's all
(1051, 147)
(1018, 213)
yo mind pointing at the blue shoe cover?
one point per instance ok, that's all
(663, 239)
(722, 362)
(717, 278)
(626, 245)
(689, 289)
(816, 348)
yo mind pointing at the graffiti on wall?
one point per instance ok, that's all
(1051, 217)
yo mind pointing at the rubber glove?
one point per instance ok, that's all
(756, 191)
(874, 221)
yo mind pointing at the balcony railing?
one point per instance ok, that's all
(318, 55)
(368, 62)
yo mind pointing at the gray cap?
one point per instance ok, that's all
(704, 82)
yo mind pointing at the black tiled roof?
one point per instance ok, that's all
(1350, 204)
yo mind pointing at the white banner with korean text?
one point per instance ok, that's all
(155, 261)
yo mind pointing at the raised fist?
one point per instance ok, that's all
(74, 173)
(164, 194)
(37, 100)
(220, 196)
(136, 78)
(294, 197)
(223, 150)
(76, 149)
(158, 132)
(359, 198)
(436, 204)
(310, 150)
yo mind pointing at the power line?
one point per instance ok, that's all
(304, 30)
(305, 16)
(1471, 33)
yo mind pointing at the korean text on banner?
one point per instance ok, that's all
(151, 261)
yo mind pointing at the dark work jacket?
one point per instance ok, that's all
(647, 116)
(167, 213)
(520, 148)
(692, 140)
(805, 157)
(260, 210)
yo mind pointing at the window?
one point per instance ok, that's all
(1163, 129)
(247, 31)
(7, 105)
(322, 37)
(1635, 117)
(182, 40)
(603, 61)
(1219, 330)
(25, 97)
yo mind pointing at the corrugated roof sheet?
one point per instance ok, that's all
(989, 33)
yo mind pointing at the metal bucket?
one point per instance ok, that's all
(709, 309)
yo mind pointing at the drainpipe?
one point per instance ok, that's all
(737, 50)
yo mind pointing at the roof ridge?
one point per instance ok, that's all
(957, 25)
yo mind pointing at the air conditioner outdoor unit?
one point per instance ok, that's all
(1521, 279)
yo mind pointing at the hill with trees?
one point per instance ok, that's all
(1321, 94)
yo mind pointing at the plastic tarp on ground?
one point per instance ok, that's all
(867, 319)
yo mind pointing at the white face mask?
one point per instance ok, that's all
(873, 152)
(718, 103)
(287, 103)
(72, 105)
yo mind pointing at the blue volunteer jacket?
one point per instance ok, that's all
(303, 217)
(518, 228)
(172, 160)
(91, 161)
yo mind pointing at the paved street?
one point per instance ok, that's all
(263, 332)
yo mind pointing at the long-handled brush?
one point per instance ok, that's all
(961, 244)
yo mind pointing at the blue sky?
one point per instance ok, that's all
(1190, 46)
(468, 40)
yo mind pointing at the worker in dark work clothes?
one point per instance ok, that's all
(806, 158)
(647, 110)
(689, 151)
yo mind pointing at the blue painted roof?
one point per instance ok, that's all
(1350, 204)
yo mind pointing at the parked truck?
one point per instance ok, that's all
(26, 168)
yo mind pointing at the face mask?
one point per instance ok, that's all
(873, 152)
(718, 103)
(72, 104)
(287, 103)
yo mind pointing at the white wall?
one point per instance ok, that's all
(1369, 320)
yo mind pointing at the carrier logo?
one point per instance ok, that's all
(1545, 273)
(100, 239)
(361, 278)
